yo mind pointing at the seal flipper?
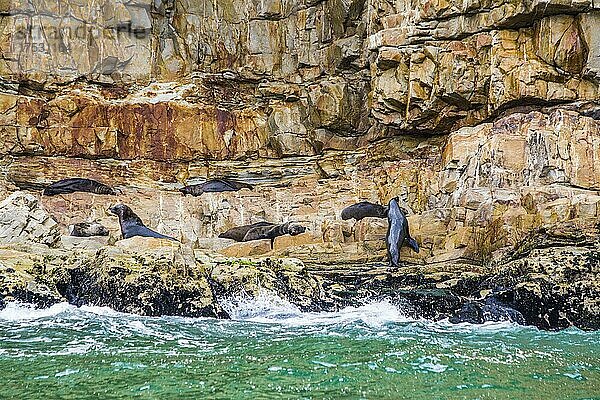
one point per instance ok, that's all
(412, 243)
(150, 233)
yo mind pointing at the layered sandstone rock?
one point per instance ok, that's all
(440, 66)
(481, 116)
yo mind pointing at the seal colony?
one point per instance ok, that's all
(131, 224)
(262, 230)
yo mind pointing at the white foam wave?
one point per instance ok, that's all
(465, 327)
(16, 311)
(270, 308)
(266, 306)
(102, 311)
(26, 312)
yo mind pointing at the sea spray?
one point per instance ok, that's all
(266, 305)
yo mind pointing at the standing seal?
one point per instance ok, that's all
(72, 185)
(364, 209)
(271, 232)
(397, 234)
(215, 185)
(239, 232)
(87, 229)
(132, 225)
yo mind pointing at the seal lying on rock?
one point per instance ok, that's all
(215, 185)
(364, 209)
(397, 233)
(271, 232)
(132, 225)
(239, 232)
(86, 229)
(72, 185)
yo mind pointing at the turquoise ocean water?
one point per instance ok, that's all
(271, 350)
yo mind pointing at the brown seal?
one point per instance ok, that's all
(239, 232)
(271, 232)
(215, 185)
(72, 185)
(132, 225)
(364, 209)
(86, 229)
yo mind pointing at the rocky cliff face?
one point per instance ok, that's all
(483, 117)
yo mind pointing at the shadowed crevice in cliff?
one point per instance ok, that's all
(559, 235)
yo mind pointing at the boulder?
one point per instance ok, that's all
(491, 310)
(23, 220)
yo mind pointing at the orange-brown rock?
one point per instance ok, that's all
(253, 248)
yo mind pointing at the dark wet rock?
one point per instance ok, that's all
(23, 276)
(432, 304)
(287, 279)
(490, 310)
(555, 283)
(150, 293)
(39, 294)
(2, 303)
(494, 310)
(161, 280)
(470, 312)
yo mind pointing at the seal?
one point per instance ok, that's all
(87, 229)
(239, 232)
(132, 225)
(397, 233)
(271, 232)
(215, 185)
(364, 209)
(72, 185)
